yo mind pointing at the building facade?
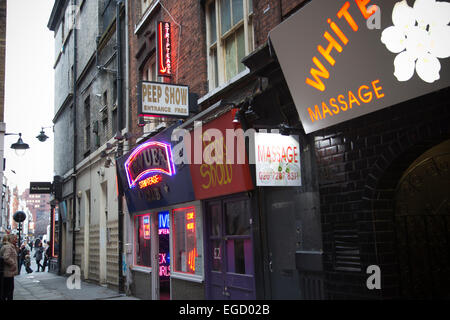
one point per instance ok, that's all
(88, 107)
(4, 216)
(308, 208)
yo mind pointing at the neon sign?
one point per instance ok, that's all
(190, 223)
(150, 181)
(163, 218)
(146, 226)
(165, 49)
(191, 259)
(146, 160)
(164, 264)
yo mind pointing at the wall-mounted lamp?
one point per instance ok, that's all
(42, 136)
(103, 68)
(19, 147)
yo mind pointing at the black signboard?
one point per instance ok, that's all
(344, 59)
(40, 187)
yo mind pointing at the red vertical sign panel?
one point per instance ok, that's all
(164, 48)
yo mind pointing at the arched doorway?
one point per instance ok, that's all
(422, 223)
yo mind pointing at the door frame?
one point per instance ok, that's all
(207, 225)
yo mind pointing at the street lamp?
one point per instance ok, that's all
(42, 136)
(19, 147)
(19, 217)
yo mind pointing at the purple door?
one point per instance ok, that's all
(230, 271)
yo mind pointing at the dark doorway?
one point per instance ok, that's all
(422, 222)
(230, 268)
(164, 255)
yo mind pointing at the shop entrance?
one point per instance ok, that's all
(422, 224)
(230, 268)
(164, 255)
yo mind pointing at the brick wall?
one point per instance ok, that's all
(188, 48)
(360, 163)
(269, 13)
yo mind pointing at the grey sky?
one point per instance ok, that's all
(29, 90)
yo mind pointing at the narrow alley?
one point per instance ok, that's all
(49, 286)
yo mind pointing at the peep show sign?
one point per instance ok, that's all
(344, 59)
(149, 177)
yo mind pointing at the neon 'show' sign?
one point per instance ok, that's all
(164, 49)
(148, 159)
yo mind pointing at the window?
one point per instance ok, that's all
(142, 240)
(87, 123)
(104, 114)
(63, 26)
(185, 251)
(229, 37)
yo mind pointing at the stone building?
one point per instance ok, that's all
(87, 113)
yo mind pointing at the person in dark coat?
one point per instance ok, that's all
(47, 255)
(9, 252)
(38, 255)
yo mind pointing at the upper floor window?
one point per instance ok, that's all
(229, 38)
(87, 123)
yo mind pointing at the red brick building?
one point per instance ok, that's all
(363, 198)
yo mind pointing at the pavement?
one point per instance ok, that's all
(50, 286)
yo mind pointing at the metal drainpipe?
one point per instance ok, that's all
(75, 136)
(120, 144)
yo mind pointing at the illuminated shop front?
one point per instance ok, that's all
(165, 241)
(225, 188)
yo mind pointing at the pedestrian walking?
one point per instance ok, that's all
(27, 263)
(46, 256)
(38, 255)
(36, 243)
(23, 251)
(9, 254)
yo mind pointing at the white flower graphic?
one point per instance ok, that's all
(420, 35)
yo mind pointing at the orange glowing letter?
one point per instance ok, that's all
(377, 89)
(367, 95)
(332, 44)
(318, 84)
(362, 6)
(344, 12)
(352, 99)
(314, 115)
(326, 110)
